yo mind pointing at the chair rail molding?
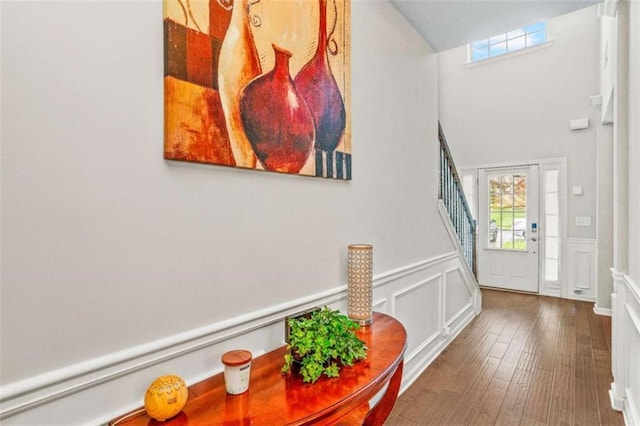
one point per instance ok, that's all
(434, 299)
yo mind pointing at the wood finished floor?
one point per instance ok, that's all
(526, 359)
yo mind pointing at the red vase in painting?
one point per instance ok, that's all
(276, 118)
(319, 88)
(237, 65)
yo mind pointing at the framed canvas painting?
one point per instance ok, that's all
(259, 84)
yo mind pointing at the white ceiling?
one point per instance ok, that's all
(451, 23)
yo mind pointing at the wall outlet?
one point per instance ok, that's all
(306, 313)
(583, 220)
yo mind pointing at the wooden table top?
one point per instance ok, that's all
(277, 399)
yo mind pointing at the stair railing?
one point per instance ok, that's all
(452, 195)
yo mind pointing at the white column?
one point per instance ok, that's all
(620, 205)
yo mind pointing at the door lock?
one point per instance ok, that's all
(534, 239)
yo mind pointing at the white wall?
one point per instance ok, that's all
(605, 157)
(634, 142)
(625, 390)
(111, 254)
(604, 224)
(632, 307)
(516, 109)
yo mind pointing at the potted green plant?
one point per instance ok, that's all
(322, 342)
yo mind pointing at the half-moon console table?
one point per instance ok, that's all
(277, 399)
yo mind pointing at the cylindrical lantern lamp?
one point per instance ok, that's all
(360, 289)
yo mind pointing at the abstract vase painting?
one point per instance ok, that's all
(259, 84)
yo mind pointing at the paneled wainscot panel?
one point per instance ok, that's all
(419, 309)
(625, 389)
(581, 273)
(459, 297)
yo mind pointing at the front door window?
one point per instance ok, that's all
(507, 211)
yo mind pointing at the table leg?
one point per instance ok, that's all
(380, 412)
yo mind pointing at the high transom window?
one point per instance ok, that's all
(511, 41)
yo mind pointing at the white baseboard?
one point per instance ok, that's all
(601, 311)
(617, 402)
(428, 354)
(551, 292)
(580, 297)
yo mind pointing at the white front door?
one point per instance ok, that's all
(508, 229)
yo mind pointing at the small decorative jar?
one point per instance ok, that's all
(237, 370)
(166, 397)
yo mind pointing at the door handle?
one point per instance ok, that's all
(534, 239)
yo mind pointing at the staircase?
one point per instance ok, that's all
(452, 196)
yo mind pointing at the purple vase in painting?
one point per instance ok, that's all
(316, 84)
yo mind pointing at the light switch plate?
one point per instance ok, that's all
(579, 124)
(576, 190)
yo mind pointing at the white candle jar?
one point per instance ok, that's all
(237, 371)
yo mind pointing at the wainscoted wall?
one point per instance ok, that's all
(581, 269)
(434, 299)
(625, 389)
(119, 266)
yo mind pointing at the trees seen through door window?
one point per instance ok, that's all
(508, 212)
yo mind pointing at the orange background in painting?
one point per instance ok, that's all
(194, 122)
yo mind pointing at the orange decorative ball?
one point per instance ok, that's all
(165, 397)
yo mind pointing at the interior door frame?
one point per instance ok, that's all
(547, 288)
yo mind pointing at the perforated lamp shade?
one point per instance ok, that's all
(360, 288)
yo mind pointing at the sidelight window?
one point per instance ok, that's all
(552, 225)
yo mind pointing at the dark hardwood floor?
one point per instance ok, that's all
(526, 359)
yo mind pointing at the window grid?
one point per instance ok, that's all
(507, 212)
(510, 41)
